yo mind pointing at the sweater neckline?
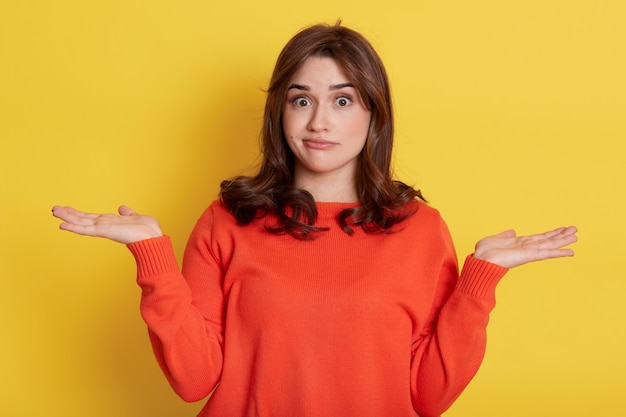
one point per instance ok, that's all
(330, 209)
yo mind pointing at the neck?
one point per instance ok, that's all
(327, 187)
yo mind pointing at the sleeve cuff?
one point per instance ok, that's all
(479, 278)
(153, 256)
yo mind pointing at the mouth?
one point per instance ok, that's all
(318, 143)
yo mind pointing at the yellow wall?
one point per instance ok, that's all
(510, 114)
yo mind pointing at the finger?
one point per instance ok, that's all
(555, 253)
(558, 241)
(566, 240)
(546, 235)
(72, 215)
(565, 233)
(126, 211)
(507, 233)
(61, 212)
(561, 231)
(85, 230)
(570, 230)
(69, 211)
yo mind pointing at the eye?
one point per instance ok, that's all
(300, 101)
(343, 101)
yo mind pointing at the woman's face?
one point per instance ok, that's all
(324, 121)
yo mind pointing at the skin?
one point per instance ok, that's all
(505, 249)
(325, 123)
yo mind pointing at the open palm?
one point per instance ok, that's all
(509, 250)
(127, 227)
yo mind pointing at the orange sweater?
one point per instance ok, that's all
(361, 325)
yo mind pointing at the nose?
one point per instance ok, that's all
(319, 119)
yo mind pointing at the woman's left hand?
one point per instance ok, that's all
(508, 250)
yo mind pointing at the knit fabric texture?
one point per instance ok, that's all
(342, 325)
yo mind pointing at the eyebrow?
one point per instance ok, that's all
(331, 88)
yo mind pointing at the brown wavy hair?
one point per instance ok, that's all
(381, 198)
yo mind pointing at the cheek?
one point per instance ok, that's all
(360, 126)
(290, 122)
(290, 136)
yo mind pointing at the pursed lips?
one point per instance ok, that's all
(317, 143)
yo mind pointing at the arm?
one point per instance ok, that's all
(185, 333)
(183, 315)
(450, 348)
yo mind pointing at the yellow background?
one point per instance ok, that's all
(510, 114)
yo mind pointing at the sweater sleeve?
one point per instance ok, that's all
(182, 310)
(451, 346)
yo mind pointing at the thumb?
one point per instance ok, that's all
(507, 233)
(126, 211)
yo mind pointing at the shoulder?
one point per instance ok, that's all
(214, 223)
(218, 221)
(216, 213)
(422, 213)
(426, 223)
(213, 236)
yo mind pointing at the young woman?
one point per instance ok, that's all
(321, 286)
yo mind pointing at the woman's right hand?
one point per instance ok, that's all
(127, 227)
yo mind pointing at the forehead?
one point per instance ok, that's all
(320, 70)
